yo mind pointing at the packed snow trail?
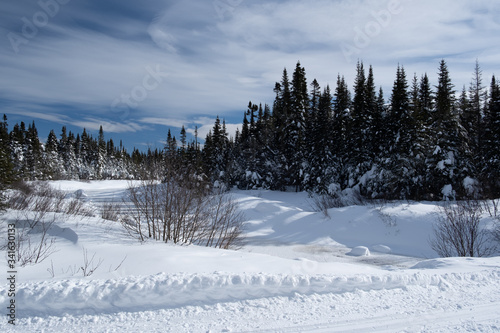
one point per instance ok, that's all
(175, 290)
(465, 307)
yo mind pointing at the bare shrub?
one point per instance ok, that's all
(89, 265)
(33, 244)
(322, 203)
(492, 207)
(181, 211)
(41, 198)
(23, 187)
(225, 222)
(458, 232)
(77, 207)
(19, 201)
(37, 205)
(336, 199)
(111, 211)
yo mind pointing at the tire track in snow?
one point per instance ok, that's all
(430, 321)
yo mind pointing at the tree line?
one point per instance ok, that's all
(424, 143)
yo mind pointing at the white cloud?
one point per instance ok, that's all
(217, 62)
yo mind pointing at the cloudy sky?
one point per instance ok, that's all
(141, 67)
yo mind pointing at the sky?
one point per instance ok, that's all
(139, 68)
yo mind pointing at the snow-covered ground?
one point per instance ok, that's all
(362, 269)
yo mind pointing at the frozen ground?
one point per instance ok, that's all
(362, 269)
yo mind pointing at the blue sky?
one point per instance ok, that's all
(140, 67)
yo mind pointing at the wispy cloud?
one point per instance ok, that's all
(91, 54)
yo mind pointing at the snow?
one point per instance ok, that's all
(381, 248)
(359, 251)
(299, 271)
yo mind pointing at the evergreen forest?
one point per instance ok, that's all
(427, 141)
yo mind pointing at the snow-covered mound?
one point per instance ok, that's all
(162, 290)
(381, 249)
(359, 251)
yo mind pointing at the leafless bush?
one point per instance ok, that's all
(182, 212)
(77, 207)
(492, 207)
(111, 211)
(19, 201)
(33, 244)
(37, 205)
(322, 203)
(458, 232)
(89, 265)
(224, 226)
(23, 187)
(336, 199)
(41, 198)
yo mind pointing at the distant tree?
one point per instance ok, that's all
(280, 118)
(490, 173)
(295, 131)
(6, 166)
(339, 132)
(474, 115)
(448, 149)
(361, 134)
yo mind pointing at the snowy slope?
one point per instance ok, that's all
(293, 275)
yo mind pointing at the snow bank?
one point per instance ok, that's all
(161, 291)
(359, 251)
(381, 249)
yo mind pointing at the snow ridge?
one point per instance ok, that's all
(174, 290)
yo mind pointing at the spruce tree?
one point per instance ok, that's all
(490, 173)
(448, 149)
(361, 130)
(339, 132)
(295, 131)
(398, 160)
(6, 166)
(280, 119)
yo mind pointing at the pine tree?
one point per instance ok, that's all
(54, 168)
(340, 134)
(280, 118)
(6, 166)
(477, 97)
(295, 131)
(361, 130)
(472, 116)
(322, 168)
(448, 150)
(398, 160)
(490, 174)
(216, 153)
(101, 155)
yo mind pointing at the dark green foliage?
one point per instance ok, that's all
(425, 143)
(490, 174)
(6, 166)
(419, 146)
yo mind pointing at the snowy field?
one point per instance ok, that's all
(361, 269)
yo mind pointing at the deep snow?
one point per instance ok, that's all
(362, 269)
